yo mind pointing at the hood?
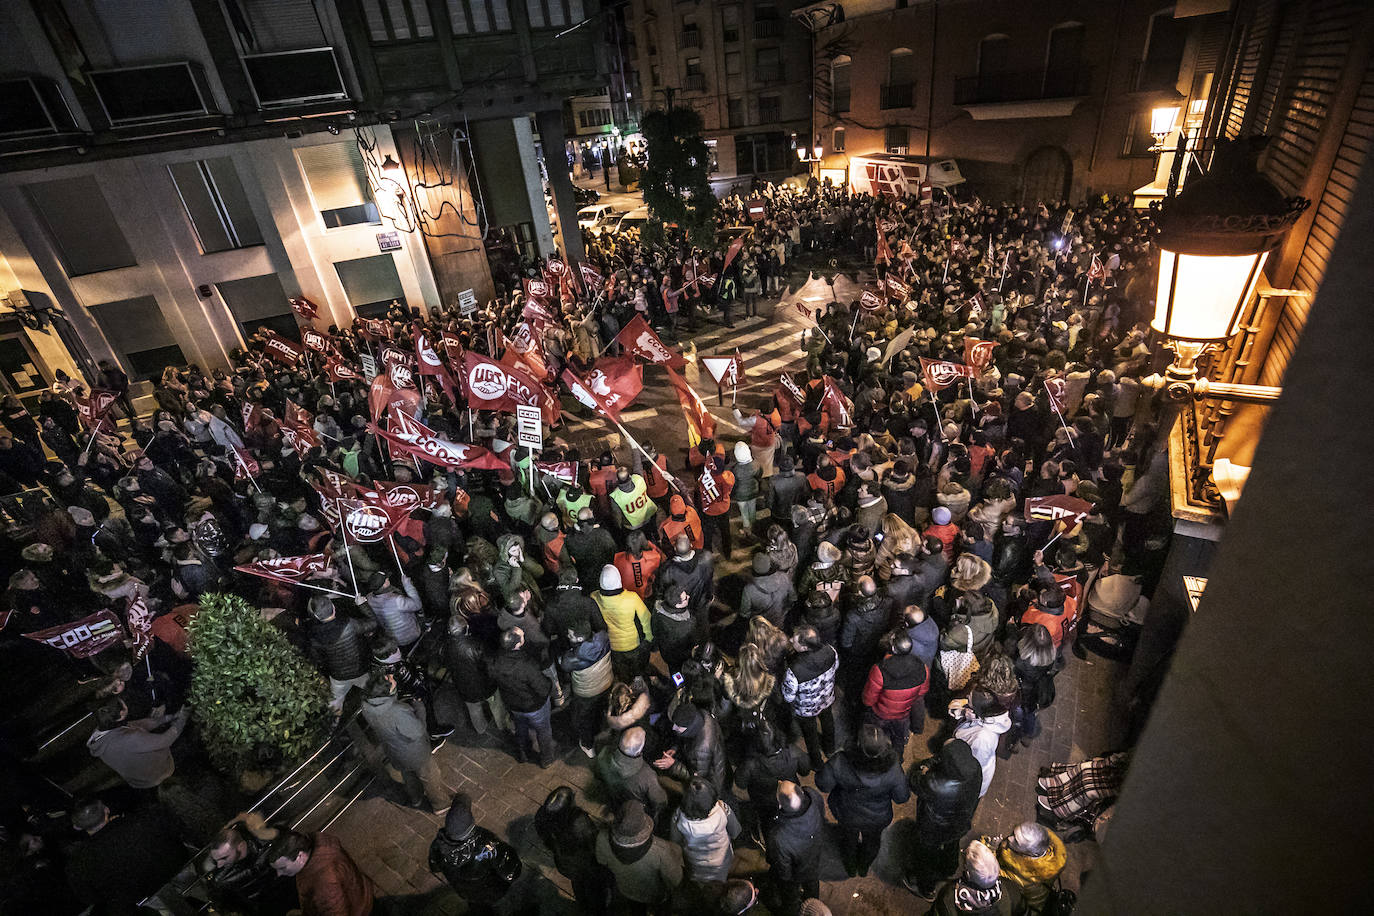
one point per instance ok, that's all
(626, 766)
(773, 584)
(710, 825)
(637, 710)
(956, 761)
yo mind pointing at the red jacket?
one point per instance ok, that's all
(894, 685)
(331, 884)
(948, 535)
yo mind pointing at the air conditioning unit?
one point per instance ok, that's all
(282, 78)
(154, 92)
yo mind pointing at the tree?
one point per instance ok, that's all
(676, 186)
(254, 697)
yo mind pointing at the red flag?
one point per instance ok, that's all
(884, 255)
(332, 484)
(566, 471)
(372, 328)
(415, 438)
(298, 429)
(252, 414)
(870, 301)
(610, 387)
(700, 423)
(896, 287)
(291, 570)
(246, 466)
(369, 521)
(83, 638)
(529, 349)
(1054, 387)
(490, 385)
(591, 277)
(640, 339)
(978, 352)
(732, 251)
(304, 307)
(336, 370)
(409, 495)
(314, 340)
(739, 366)
(805, 312)
(1053, 508)
(281, 349)
(975, 306)
(94, 409)
(140, 623)
(956, 247)
(841, 408)
(786, 383)
(1096, 271)
(941, 373)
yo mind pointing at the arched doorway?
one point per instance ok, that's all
(1046, 176)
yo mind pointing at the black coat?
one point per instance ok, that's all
(859, 798)
(524, 686)
(339, 648)
(794, 841)
(467, 667)
(478, 867)
(946, 788)
(701, 752)
(759, 775)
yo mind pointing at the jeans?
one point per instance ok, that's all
(426, 784)
(626, 666)
(897, 730)
(532, 727)
(338, 690)
(748, 512)
(818, 738)
(498, 714)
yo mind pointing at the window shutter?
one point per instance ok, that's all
(254, 297)
(369, 280)
(1247, 66)
(133, 325)
(335, 174)
(81, 224)
(283, 25)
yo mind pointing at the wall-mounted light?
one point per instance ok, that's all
(1162, 122)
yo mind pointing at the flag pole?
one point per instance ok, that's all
(391, 539)
(348, 554)
(247, 473)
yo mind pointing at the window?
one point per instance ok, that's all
(734, 62)
(397, 20)
(1163, 51)
(994, 55)
(767, 64)
(553, 13)
(81, 225)
(257, 302)
(1138, 140)
(839, 84)
(770, 109)
(1063, 59)
(138, 333)
(371, 284)
(768, 152)
(693, 66)
(655, 77)
(280, 25)
(338, 183)
(477, 16)
(735, 110)
(900, 88)
(729, 24)
(214, 200)
(896, 139)
(837, 142)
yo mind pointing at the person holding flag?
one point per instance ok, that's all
(714, 486)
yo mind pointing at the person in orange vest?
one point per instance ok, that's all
(1055, 607)
(713, 493)
(551, 538)
(682, 519)
(656, 476)
(696, 458)
(763, 435)
(638, 564)
(826, 480)
(600, 482)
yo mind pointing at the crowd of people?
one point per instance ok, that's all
(893, 576)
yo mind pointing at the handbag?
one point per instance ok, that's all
(959, 666)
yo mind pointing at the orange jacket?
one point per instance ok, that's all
(637, 573)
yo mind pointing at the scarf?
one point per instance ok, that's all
(968, 899)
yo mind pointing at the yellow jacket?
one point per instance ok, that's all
(619, 611)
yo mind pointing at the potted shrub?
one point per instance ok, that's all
(256, 700)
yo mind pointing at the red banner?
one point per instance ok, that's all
(701, 425)
(975, 306)
(526, 348)
(281, 349)
(786, 383)
(1054, 387)
(427, 359)
(870, 301)
(884, 254)
(246, 466)
(491, 385)
(1054, 508)
(314, 340)
(566, 471)
(336, 370)
(895, 287)
(978, 352)
(840, 407)
(610, 387)
(304, 307)
(85, 637)
(640, 339)
(409, 495)
(591, 277)
(292, 570)
(367, 521)
(537, 295)
(94, 409)
(298, 429)
(733, 251)
(372, 328)
(941, 373)
(415, 438)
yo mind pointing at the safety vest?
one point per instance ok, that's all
(570, 507)
(635, 505)
(655, 477)
(714, 491)
(828, 488)
(1059, 625)
(690, 526)
(637, 573)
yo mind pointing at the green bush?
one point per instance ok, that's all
(254, 697)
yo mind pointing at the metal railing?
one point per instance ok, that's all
(690, 38)
(768, 28)
(1022, 86)
(772, 73)
(896, 95)
(694, 82)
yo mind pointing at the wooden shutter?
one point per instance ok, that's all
(1330, 214)
(1248, 65)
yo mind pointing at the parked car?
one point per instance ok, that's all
(635, 219)
(595, 217)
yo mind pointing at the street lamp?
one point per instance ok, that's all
(1162, 121)
(1214, 238)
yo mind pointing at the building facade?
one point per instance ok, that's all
(741, 65)
(1033, 100)
(170, 172)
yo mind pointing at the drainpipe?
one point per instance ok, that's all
(930, 96)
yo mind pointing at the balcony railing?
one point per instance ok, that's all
(768, 28)
(896, 96)
(769, 73)
(691, 38)
(695, 82)
(1024, 86)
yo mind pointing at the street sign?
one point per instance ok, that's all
(529, 426)
(389, 241)
(467, 302)
(369, 365)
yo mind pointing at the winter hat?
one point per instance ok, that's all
(762, 564)
(633, 827)
(257, 531)
(685, 715)
(610, 579)
(742, 453)
(785, 463)
(828, 553)
(814, 907)
(676, 505)
(81, 516)
(980, 865)
(458, 823)
(567, 575)
(940, 515)
(1030, 839)
(37, 553)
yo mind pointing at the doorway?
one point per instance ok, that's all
(1046, 176)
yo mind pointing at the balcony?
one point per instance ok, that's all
(31, 106)
(284, 78)
(694, 82)
(690, 38)
(896, 96)
(768, 28)
(770, 73)
(1024, 94)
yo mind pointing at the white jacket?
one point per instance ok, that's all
(982, 735)
(706, 847)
